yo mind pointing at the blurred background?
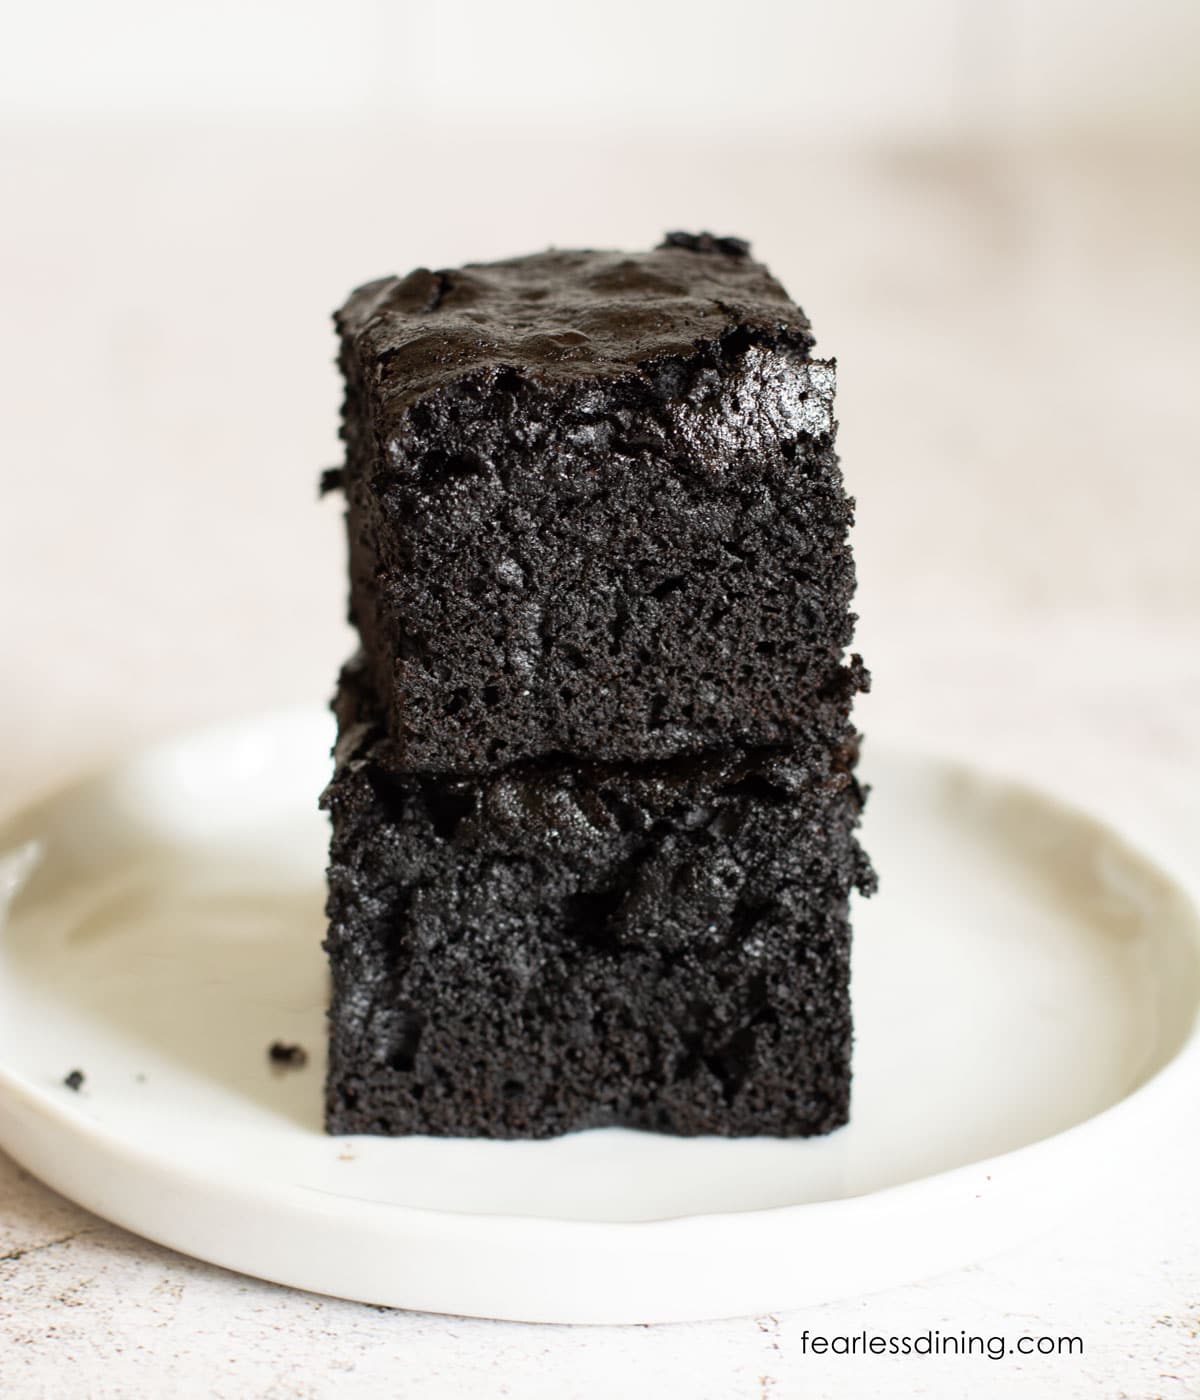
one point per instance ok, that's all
(989, 210)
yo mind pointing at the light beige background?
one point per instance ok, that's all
(1012, 301)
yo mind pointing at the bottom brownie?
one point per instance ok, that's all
(562, 946)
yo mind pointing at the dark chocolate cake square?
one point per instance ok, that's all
(593, 506)
(566, 945)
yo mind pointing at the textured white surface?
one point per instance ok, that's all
(1016, 340)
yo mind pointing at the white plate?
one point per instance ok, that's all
(1026, 994)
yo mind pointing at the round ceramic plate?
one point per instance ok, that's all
(1026, 994)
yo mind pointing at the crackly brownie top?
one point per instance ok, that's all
(565, 314)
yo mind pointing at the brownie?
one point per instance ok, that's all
(569, 943)
(594, 508)
(594, 808)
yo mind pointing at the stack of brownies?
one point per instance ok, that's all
(594, 805)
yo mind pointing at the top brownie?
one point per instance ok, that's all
(593, 507)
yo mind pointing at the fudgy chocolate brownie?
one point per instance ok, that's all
(594, 804)
(569, 944)
(594, 507)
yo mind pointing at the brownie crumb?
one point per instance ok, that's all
(331, 480)
(287, 1056)
(74, 1080)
